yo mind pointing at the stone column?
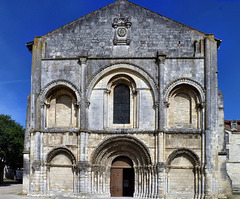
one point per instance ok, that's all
(161, 109)
(83, 64)
(36, 165)
(160, 128)
(161, 64)
(160, 168)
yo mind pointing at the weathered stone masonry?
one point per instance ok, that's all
(125, 102)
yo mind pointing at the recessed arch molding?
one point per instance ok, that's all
(118, 66)
(181, 81)
(59, 82)
(121, 145)
(60, 150)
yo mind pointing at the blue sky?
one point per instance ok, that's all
(21, 20)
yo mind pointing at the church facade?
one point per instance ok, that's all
(125, 102)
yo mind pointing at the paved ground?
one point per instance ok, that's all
(13, 191)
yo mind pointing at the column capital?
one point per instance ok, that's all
(82, 60)
(161, 58)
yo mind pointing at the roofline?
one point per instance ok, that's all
(91, 13)
(219, 41)
(29, 45)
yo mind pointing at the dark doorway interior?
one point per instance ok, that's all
(122, 177)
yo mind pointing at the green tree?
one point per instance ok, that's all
(11, 144)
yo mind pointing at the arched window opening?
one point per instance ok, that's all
(121, 105)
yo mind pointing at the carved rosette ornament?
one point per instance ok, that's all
(121, 31)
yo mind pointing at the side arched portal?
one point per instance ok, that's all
(183, 178)
(60, 173)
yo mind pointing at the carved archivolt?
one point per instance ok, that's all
(183, 81)
(120, 79)
(44, 92)
(192, 156)
(60, 150)
(184, 99)
(128, 67)
(124, 145)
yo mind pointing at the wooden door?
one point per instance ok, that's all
(122, 177)
(116, 184)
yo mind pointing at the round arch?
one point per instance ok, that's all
(128, 146)
(128, 67)
(192, 156)
(44, 92)
(60, 150)
(170, 87)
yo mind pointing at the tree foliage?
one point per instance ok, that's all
(11, 143)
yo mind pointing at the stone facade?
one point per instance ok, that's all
(164, 139)
(232, 140)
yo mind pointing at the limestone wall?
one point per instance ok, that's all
(233, 161)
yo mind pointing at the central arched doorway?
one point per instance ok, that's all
(122, 177)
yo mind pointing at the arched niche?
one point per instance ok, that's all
(183, 174)
(61, 108)
(184, 107)
(60, 101)
(60, 164)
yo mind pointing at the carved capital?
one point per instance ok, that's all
(82, 166)
(87, 104)
(107, 91)
(47, 105)
(156, 105)
(98, 169)
(161, 166)
(36, 165)
(82, 60)
(161, 59)
(166, 104)
(201, 105)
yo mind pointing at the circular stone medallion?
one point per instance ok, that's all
(122, 32)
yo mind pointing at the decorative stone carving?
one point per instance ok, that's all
(36, 165)
(161, 58)
(82, 166)
(160, 166)
(82, 60)
(122, 32)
